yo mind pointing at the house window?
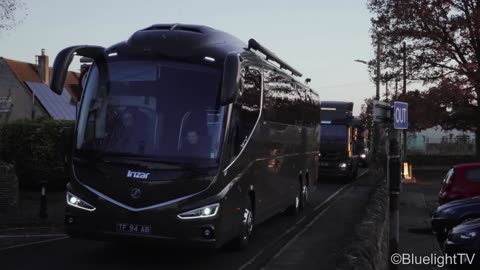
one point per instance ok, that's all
(5, 104)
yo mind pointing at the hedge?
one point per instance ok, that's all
(34, 147)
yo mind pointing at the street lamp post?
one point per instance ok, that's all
(375, 135)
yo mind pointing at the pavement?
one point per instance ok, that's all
(23, 225)
(417, 201)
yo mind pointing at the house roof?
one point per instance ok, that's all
(58, 106)
(28, 72)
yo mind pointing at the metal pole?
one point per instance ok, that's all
(404, 92)
(375, 137)
(43, 200)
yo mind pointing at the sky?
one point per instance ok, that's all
(320, 38)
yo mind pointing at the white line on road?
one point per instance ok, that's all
(331, 197)
(300, 221)
(249, 262)
(34, 243)
(31, 235)
(300, 233)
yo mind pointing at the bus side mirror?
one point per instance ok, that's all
(64, 59)
(231, 79)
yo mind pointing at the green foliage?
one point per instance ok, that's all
(35, 149)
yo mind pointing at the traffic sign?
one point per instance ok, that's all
(381, 111)
(400, 115)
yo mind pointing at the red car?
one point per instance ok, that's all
(462, 181)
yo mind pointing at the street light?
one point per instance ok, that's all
(376, 132)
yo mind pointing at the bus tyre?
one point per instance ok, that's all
(294, 208)
(242, 240)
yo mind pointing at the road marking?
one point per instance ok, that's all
(300, 221)
(331, 197)
(249, 262)
(300, 233)
(31, 235)
(362, 174)
(34, 243)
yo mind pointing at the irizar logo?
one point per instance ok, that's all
(137, 175)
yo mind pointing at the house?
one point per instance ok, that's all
(438, 142)
(24, 91)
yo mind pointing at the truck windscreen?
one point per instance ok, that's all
(152, 108)
(335, 133)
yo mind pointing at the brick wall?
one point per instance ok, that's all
(369, 248)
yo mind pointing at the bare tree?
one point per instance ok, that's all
(12, 12)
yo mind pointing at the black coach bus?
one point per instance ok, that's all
(338, 151)
(188, 135)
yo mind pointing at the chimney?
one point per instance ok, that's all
(43, 67)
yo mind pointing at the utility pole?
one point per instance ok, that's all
(375, 138)
(404, 92)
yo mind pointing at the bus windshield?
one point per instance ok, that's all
(167, 110)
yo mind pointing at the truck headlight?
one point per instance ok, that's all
(76, 202)
(202, 212)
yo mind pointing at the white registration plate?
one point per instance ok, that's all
(133, 228)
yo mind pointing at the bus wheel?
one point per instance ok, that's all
(294, 208)
(242, 240)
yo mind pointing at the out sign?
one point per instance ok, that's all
(400, 115)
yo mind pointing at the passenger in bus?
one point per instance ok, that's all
(127, 137)
(195, 144)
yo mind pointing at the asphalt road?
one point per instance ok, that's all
(271, 240)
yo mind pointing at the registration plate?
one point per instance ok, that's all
(133, 228)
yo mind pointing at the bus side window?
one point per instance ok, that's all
(246, 108)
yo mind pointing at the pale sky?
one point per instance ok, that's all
(320, 38)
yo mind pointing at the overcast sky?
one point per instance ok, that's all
(320, 38)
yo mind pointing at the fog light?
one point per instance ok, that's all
(207, 233)
(70, 220)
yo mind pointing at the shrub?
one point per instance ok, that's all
(34, 148)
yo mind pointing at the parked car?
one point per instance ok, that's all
(464, 238)
(453, 213)
(462, 181)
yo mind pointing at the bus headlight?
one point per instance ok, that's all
(203, 212)
(342, 165)
(363, 156)
(76, 202)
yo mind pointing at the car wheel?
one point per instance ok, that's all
(242, 240)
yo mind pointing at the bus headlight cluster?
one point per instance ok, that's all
(76, 202)
(203, 212)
